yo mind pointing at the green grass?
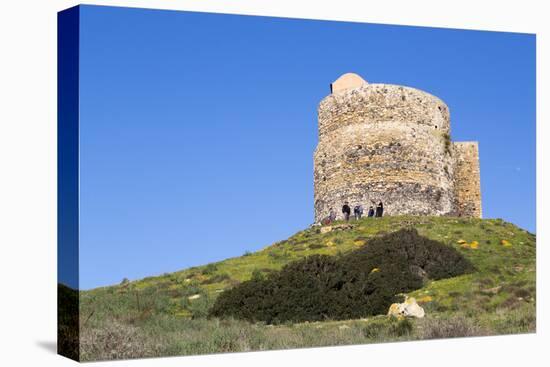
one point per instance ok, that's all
(154, 316)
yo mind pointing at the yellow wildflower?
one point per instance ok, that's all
(425, 299)
(505, 243)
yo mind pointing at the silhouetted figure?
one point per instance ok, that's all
(371, 212)
(358, 211)
(379, 209)
(346, 210)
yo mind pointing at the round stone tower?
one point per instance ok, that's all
(380, 142)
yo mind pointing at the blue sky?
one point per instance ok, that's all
(197, 130)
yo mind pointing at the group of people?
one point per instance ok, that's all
(357, 212)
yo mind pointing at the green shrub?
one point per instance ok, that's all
(257, 275)
(152, 299)
(191, 288)
(361, 283)
(209, 269)
(401, 327)
(199, 307)
(373, 331)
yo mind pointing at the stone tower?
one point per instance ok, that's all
(390, 143)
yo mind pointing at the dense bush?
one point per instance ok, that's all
(363, 282)
(67, 321)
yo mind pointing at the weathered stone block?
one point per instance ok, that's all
(467, 184)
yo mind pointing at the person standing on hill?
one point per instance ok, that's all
(358, 211)
(346, 210)
(379, 209)
(371, 212)
(331, 217)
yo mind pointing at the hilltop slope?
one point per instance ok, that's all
(165, 315)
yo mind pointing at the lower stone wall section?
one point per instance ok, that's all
(467, 179)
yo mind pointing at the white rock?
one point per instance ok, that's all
(409, 308)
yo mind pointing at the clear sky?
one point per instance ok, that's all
(197, 130)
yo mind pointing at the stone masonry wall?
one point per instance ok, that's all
(384, 143)
(467, 182)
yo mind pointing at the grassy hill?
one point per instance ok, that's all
(166, 315)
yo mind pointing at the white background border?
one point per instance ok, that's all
(28, 181)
